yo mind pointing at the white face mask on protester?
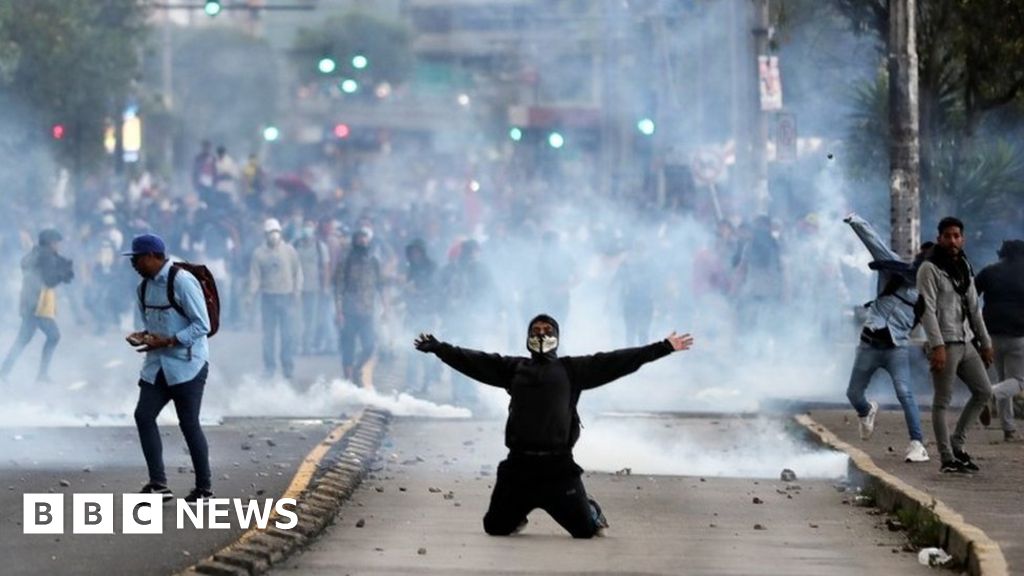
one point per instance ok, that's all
(542, 344)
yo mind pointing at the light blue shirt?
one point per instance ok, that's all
(183, 362)
(887, 311)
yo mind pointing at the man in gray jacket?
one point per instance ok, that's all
(950, 302)
(885, 336)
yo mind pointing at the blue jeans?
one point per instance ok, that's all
(895, 361)
(187, 398)
(279, 311)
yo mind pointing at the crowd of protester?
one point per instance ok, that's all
(470, 248)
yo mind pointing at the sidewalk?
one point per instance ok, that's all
(990, 499)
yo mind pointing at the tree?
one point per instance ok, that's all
(386, 46)
(70, 63)
(969, 69)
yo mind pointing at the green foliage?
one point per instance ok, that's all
(71, 62)
(387, 46)
(969, 54)
(923, 526)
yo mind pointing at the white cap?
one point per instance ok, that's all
(271, 225)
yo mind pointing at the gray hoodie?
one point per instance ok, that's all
(945, 312)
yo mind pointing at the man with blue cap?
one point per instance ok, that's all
(176, 363)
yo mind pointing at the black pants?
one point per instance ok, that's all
(551, 483)
(187, 398)
(29, 325)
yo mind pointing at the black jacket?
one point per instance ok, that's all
(544, 390)
(1002, 285)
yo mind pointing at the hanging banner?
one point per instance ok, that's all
(770, 82)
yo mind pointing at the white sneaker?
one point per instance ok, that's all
(867, 423)
(916, 452)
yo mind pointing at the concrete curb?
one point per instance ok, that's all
(324, 487)
(967, 543)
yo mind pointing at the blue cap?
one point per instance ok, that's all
(146, 244)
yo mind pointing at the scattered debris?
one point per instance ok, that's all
(378, 488)
(449, 496)
(360, 523)
(434, 490)
(894, 525)
(813, 525)
(933, 557)
(787, 475)
(759, 527)
(401, 488)
(65, 483)
(863, 501)
(758, 500)
(422, 551)
(246, 446)
(270, 442)
(624, 472)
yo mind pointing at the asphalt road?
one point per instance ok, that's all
(109, 460)
(421, 514)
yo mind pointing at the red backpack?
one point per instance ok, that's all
(206, 282)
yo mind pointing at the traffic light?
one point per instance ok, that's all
(57, 131)
(349, 86)
(341, 130)
(212, 8)
(326, 65)
(645, 126)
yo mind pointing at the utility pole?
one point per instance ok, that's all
(904, 142)
(762, 33)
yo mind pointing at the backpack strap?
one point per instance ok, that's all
(171, 274)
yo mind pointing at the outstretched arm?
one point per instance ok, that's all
(491, 369)
(869, 236)
(603, 367)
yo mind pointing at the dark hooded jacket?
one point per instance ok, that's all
(41, 268)
(1002, 286)
(545, 389)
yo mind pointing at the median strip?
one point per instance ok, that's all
(319, 490)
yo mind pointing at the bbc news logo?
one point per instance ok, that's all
(144, 514)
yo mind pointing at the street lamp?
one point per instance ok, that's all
(359, 62)
(271, 133)
(212, 8)
(555, 140)
(515, 134)
(645, 126)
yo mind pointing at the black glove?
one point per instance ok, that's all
(427, 343)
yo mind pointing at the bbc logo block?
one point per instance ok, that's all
(144, 514)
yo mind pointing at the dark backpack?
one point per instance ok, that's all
(206, 282)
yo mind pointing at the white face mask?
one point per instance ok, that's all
(542, 344)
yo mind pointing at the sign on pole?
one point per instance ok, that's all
(785, 137)
(771, 83)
